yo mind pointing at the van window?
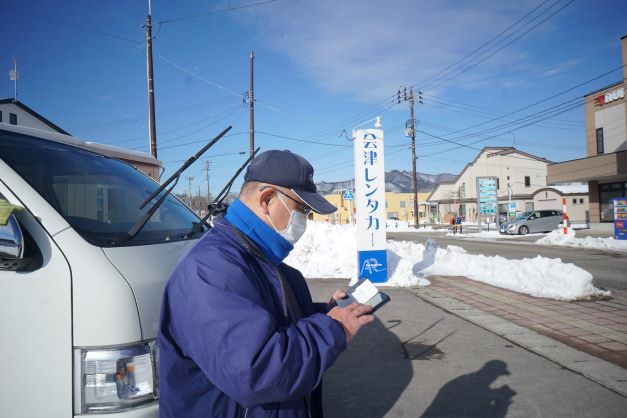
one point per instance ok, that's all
(98, 196)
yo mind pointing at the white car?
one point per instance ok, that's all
(79, 305)
(533, 221)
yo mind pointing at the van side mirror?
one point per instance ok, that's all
(11, 240)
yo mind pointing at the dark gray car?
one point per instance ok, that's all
(533, 221)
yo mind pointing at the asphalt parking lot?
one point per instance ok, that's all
(418, 360)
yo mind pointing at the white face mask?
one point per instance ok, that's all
(296, 226)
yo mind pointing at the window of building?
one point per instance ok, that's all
(386, 204)
(0, 116)
(581, 201)
(12, 118)
(527, 181)
(528, 206)
(574, 201)
(402, 203)
(600, 145)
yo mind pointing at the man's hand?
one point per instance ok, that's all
(337, 295)
(352, 317)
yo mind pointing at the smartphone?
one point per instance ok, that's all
(363, 292)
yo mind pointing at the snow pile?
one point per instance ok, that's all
(539, 276)
(329, 251)
(558, 238)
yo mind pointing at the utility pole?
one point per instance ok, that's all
(251, 104)
(207, 167)
(151, 85)
(411, 131)
(198, 198)
(189, 183)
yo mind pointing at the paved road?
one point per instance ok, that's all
(417, 360)
(609, 269)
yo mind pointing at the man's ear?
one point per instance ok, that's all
(263, 199)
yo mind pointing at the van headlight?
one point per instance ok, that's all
(114, 379)
(511, 228)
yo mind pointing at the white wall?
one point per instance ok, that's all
(23, 118)
(514, 165)
(612, 120)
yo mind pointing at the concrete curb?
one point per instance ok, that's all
(600, 371)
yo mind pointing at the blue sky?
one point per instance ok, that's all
(321, 68)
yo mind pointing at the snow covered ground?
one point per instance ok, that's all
(329, 251)
(558, 238)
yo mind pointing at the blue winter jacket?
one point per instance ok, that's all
(239, 335)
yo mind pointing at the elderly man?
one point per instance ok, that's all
(239, 334)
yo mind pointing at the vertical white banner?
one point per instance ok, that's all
(370, 205)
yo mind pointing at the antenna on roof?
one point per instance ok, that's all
(13, 76)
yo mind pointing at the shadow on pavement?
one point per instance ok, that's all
(470, 395)
(370, 376)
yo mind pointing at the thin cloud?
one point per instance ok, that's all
(368, 48)
(561, 68)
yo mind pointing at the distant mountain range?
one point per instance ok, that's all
(395, 181)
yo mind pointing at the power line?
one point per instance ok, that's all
(555, 124)
(469, 67)
(129, 120)
(74, 25)
(497, 135)
(531, 105)
(302, 140)
(213, 12)
(435, 76)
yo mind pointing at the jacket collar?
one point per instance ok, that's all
(273, 246)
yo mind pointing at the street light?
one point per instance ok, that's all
(377, 124)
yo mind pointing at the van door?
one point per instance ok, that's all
(36, 326)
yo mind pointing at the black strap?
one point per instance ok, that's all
(291, 309)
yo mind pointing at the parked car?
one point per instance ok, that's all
(533, 221)
(79, 304)
(505, 217)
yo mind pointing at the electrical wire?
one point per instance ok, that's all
(436, 75)
(469, 67)
(509, 125)
(74, 25)
(213, 12)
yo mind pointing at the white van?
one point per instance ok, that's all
(79, 307)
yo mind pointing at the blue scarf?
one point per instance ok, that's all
(273, 245)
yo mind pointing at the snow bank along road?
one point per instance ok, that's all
(608, 268)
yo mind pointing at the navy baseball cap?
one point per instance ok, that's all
(286, 169)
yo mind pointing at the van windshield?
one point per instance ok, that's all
(97, 195)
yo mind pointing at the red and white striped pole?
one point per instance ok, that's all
(565, 217)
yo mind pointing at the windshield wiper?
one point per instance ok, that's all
(173, 178)
(217, 205)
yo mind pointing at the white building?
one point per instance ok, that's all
(14, 112)
(520, 176)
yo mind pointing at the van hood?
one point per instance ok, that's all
(147, 268)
